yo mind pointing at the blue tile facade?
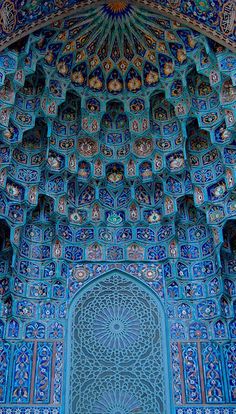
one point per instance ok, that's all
(117, 160)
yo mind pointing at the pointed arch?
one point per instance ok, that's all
(117, 342)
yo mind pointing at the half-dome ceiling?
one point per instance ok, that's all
(118, 48)
(213, 18)
(112, 109)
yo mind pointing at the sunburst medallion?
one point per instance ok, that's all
(117, 9)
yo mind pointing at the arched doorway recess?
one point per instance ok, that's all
(117, 353)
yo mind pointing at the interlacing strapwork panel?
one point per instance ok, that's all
(117, 352)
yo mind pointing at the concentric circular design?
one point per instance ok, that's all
(117, 402)
(116, 327)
